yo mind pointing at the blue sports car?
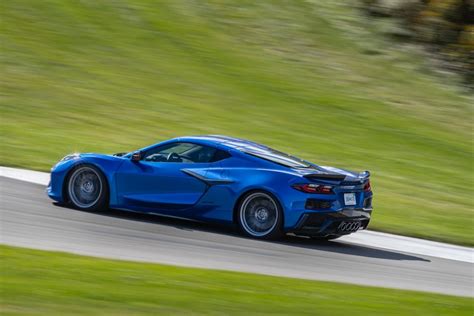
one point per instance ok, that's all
(265, 192)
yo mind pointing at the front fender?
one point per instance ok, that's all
(59, 173)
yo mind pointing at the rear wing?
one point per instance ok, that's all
(325, 176)
(335, 176)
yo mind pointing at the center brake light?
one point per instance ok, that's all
(313, 188)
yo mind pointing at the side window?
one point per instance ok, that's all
(220, 155)
(177, 148)
(201, 154)
(205, 154)
(168, 153)
(185, 153)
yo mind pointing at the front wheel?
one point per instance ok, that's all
(260, 216)
(87, 188)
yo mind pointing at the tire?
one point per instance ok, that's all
(87, 189)
(260, 216)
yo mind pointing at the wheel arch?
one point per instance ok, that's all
(235, 211)
(77, 165)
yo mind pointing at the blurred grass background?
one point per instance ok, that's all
(314, 78)
(50, 283)
(445, 28)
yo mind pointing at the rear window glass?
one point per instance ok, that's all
(278, 157)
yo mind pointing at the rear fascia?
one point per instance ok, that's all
(338, 211)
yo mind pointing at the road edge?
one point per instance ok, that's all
(367, 238)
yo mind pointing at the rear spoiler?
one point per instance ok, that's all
(325, 176)
(335, 176)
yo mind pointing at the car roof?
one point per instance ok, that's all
(246, 147)
(230, 142)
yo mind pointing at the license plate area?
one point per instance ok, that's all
(350, 199)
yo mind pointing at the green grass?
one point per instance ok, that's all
(314, 78)
(51, 283)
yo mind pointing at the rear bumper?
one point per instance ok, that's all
(323, 224)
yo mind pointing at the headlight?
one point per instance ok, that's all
(69, 157)
(66, 158)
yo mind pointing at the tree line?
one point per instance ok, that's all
(445, 27)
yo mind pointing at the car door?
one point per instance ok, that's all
(157, 182)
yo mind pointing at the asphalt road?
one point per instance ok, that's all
(30, 219)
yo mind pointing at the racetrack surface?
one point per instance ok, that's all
(30, 219)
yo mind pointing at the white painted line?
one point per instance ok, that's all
(25, 175)
(366, 238)
(411, 245)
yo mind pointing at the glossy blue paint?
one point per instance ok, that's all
(210, 191)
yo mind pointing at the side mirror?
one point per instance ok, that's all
(136, 156)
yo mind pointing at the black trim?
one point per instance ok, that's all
(120, 154)
(325, 176)
(320, 224)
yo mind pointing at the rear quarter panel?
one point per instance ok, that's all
(219, 202)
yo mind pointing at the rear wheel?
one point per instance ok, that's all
(260, 216)
(87, 188)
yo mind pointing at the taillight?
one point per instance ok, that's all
(367, 187)
(313, 188)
